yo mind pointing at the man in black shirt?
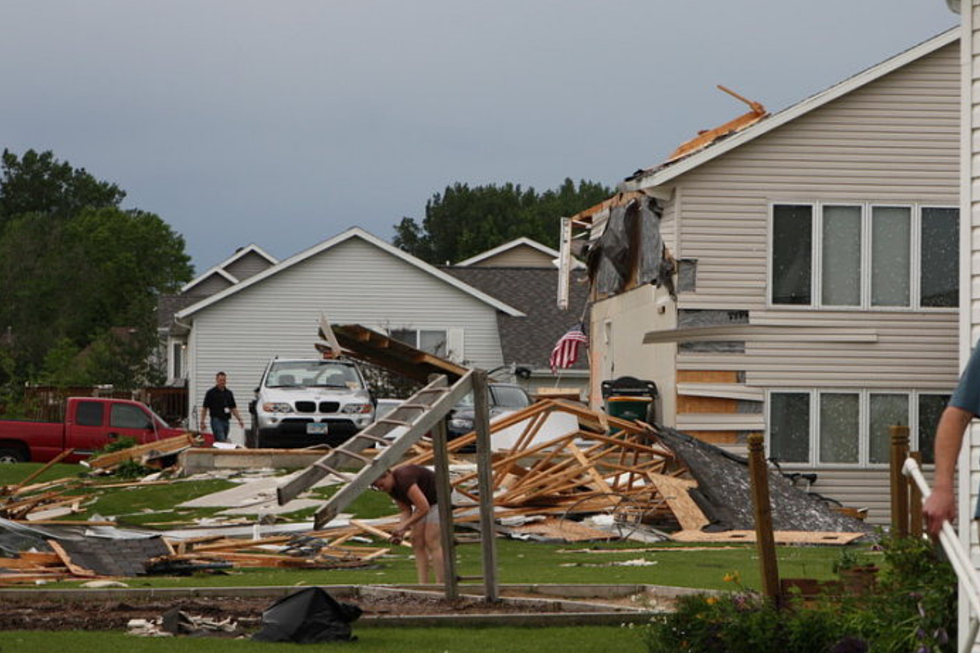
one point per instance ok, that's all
(220, 402)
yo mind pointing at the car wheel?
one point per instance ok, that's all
(13, 455)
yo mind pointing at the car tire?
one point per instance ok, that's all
(10, 454)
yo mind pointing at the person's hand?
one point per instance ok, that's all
(939, 507)
(202, 427)
(397, 535)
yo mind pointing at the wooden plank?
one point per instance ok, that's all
(134, 453)
(13, 489)
(780, 537)
(488, 541)
(707, 376)
(691, 404)
(377, 532)
(674, 492)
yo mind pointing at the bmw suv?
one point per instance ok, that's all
(310, 401)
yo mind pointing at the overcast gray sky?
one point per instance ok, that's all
(284, 122)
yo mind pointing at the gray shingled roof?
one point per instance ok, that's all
(528, 341)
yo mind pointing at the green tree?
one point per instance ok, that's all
(463, 221)
(80, 277)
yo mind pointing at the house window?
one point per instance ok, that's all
(840, 421)
(789, 426)
(827, 255)
(930, 408)
(433, 341)
(178, 359)
(940, 257)
(792, 246)
(849, 428)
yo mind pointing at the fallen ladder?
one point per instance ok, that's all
(393, 434)
(958, 558)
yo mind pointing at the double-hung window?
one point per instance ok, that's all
(841, 255)
(434, 341)
(849, 427)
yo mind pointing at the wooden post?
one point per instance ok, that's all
(484, 470)
(444, 493)
(444, 498)
(915, 500)
(899, 487)
(759, 477)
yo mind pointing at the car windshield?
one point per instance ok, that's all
(313, 374)
(501, 396)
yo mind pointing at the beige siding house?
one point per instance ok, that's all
(817, 294)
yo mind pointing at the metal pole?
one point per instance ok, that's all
(899, 489)
(484, 462)
(759, 477)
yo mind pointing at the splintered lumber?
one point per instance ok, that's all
(168, 445)
(563, 529)
(780, 537)
(13, 489)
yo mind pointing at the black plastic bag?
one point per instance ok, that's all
(309, 616)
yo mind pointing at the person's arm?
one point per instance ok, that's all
(405, 514)
(418, 511)
(234, 411)
(941, 504)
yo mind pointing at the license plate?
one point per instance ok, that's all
(316, 428)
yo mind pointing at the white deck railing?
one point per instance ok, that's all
(958, 557)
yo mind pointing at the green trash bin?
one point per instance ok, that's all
(631, 408)
(630, 398)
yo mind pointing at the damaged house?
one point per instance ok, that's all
(795, 274)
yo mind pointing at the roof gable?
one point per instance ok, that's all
(220, 268)
(353, 232)
(551, 255)
(658, 176)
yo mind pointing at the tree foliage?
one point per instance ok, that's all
(463, 221)
(79, 276)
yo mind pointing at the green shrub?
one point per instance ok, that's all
(912, 609)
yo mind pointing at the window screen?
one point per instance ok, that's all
(839, 427)
(886, 411)
(890, 232)
(841, 257)
(930, 408)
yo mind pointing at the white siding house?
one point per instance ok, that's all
(351, 278)
(821, 237)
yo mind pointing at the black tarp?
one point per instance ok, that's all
(724, 492)
(632, 233)
(309, 616)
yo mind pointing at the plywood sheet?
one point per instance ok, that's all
(780, 537)
(674, 491)
(563, 529)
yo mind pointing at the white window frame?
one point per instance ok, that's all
(864, 425)
(816, 257)
(418, 334)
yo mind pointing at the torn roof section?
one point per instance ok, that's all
(706, 137)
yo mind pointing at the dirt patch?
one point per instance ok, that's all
(95, 614)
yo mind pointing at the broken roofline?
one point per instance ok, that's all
(649, 180)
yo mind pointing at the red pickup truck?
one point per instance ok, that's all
(90, 423)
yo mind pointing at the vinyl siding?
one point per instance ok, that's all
(521, 256)
(970, 270)
(894, 140)
(352, 282)
(247, 266)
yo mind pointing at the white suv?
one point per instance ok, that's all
(309, 401)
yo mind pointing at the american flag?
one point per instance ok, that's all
(565, 352)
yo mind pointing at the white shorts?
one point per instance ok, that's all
(432, 517)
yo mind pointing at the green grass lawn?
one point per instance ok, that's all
(518, 562)
(586, 639)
